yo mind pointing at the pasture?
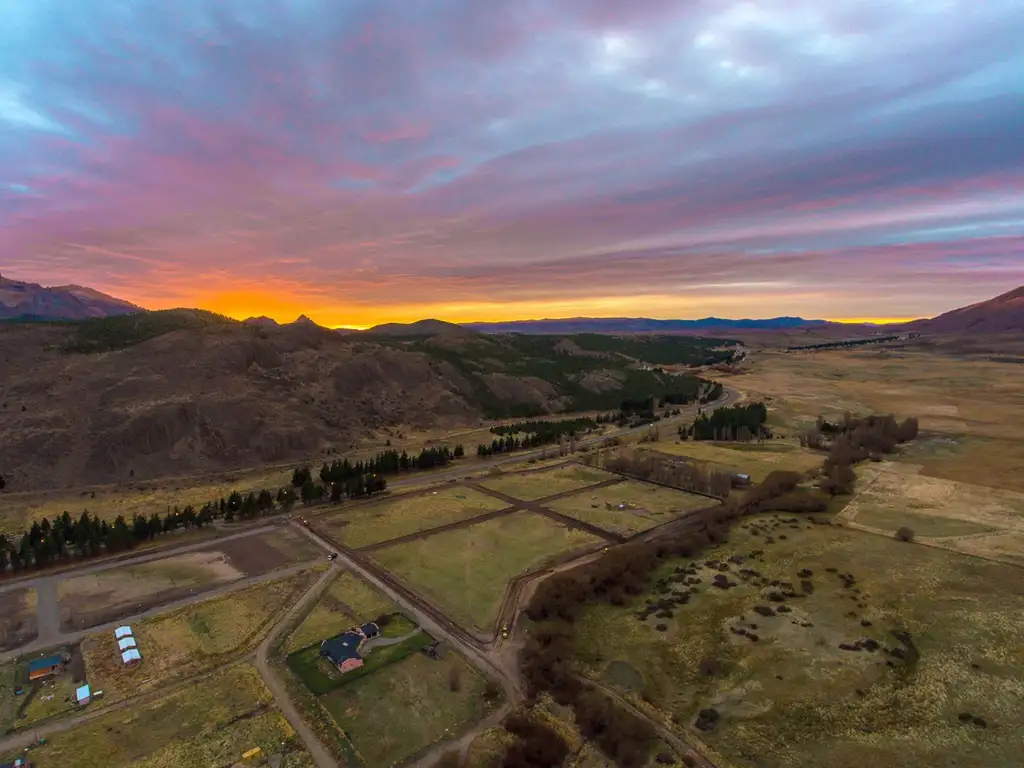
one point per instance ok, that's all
(978, 520)
(466, 571)
(405, 707)
(969, 407)
(373, 523)
(755, 459)
(629, 507)
(797, 653)
(537, 484)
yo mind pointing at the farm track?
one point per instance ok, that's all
(538, 507)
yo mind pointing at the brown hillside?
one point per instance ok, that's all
(201, 400)
(1002, 314)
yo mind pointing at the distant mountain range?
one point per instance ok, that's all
(641, 325)
(31, 301)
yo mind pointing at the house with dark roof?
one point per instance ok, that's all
(343, 650)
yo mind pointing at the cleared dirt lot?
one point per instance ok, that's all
(538, 484)
(93, 599)
(466, 571)
(17, 618)
(374, 523)
(628, 507)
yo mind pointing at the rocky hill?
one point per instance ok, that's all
(30, 301)
(184, 391)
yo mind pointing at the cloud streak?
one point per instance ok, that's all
(370, 161)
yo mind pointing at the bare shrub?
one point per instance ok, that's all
(905, 534)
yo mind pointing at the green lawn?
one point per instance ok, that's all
(467, 570)
(401, 709)
(922, 524)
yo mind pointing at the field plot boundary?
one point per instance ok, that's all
(427, 532)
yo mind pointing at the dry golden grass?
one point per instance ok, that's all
(968, 518)
(790, 699)
(969, 409)
(347, 600)
(647, 506)
(210, 723)
(191, 641)
(371, 524)
(530, 486)
(405, 707)
(466, 570)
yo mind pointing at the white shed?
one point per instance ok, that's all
(122, 632)
(125, 643)
(131, 656)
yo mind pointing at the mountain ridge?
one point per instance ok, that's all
(32, 301)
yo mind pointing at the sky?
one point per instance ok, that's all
(390, 160)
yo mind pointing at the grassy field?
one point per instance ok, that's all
(361, 526)
(347, 601)
(192, 640)
(646, 506)
(7, 698)
(97, 598)
(752, 459)
(405, 707)
(467, 570)
(530, 486)
(969, 409)
(17, 617)
(968, 518)
(793, 697)
(209, 723)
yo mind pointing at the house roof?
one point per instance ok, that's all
(45, 663)
(122, 632)
(82, 693)
(131, 655)
(125, 642)
(341, 647)
(370, 628)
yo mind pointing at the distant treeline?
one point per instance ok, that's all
(850, 343)
(569, 427)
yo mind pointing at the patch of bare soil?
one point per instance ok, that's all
(17, 619)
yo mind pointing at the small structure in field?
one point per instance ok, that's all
(19, 762)
(83, 695)
(46, 666)
(125, 643)
(343, 650)
(122, 632)
(131, 657)
(740, 481)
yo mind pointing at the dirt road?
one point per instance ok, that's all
(320, 755)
